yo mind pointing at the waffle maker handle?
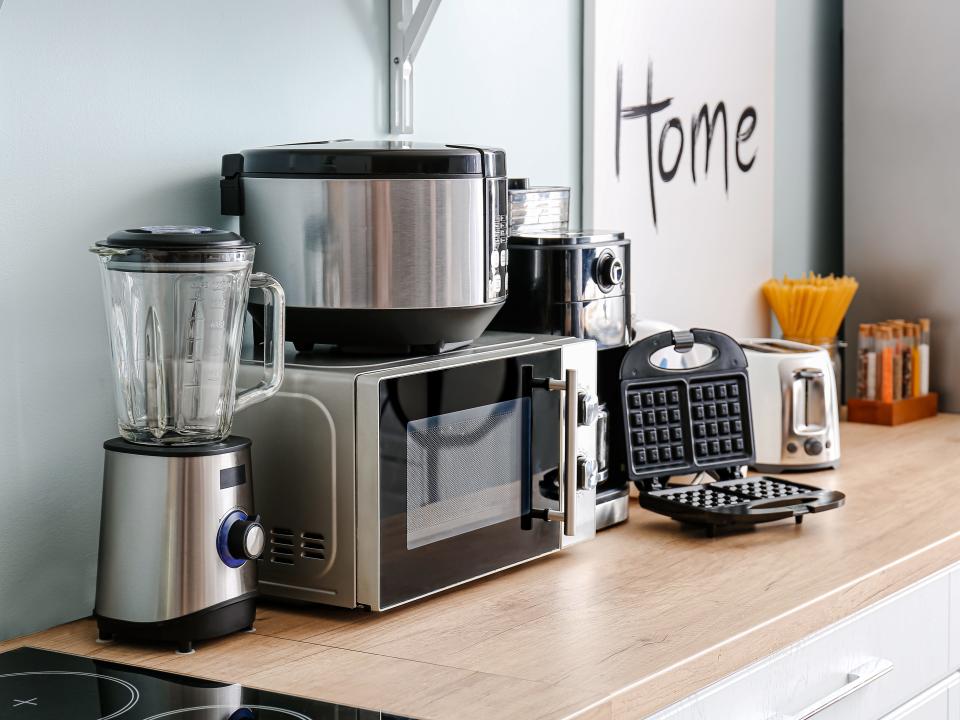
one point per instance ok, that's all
(637, 362)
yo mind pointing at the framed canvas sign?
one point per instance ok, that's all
(678, 153)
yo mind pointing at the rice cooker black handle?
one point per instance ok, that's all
(637, 362)
(494, 160)
(231, 184)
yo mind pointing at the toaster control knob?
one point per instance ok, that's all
(588, 408)
(813, 447)
(246, 538)
(587, 475)
(609, 271)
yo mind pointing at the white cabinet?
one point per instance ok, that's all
(941, 702)
(893, 659)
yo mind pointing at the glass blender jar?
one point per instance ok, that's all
(175, 298)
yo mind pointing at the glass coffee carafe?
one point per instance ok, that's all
(175, 299)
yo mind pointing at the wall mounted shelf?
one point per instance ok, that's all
(408, 27)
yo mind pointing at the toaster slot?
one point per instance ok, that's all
(809, 401)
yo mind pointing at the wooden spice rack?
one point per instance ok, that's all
(897, 412)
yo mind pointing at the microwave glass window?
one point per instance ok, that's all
(464, 470)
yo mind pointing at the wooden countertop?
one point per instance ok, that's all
(644, 615)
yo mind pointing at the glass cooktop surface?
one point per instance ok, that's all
(43, 685)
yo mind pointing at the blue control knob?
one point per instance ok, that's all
(240, 538)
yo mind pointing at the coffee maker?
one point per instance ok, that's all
(577, 283)
(179, 536)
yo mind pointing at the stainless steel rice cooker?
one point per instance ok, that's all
(385, 245)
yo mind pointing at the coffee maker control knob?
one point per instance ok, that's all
(587, 475)
(588, 408)
(609, 271)
(246, 538)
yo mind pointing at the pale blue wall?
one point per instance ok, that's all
(115, 113)
(808, 174)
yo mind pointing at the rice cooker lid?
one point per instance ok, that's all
(368, 159)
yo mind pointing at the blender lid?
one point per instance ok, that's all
(175, 237)
(554, 238)
(367, 158)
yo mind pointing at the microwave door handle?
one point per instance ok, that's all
(526, 488)
(566, 514)
(568, 442)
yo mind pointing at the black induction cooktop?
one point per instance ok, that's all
(42, 685)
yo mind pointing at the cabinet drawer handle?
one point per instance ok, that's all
(857, 679)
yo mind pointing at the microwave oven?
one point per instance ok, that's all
(383, 480)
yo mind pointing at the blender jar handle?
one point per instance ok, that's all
(275, 299)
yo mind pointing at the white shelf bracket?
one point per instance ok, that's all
(408, 27)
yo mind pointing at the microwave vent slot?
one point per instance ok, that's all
(281, 546)
(312, 546)
(288, 547)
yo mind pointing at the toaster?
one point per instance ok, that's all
(794, 406)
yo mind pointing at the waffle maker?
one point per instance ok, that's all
(686, 411)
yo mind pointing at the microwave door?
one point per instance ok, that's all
(465, 453)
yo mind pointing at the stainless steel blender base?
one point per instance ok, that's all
(232, 616)
(166, 571)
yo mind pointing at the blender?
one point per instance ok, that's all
(178, 534)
